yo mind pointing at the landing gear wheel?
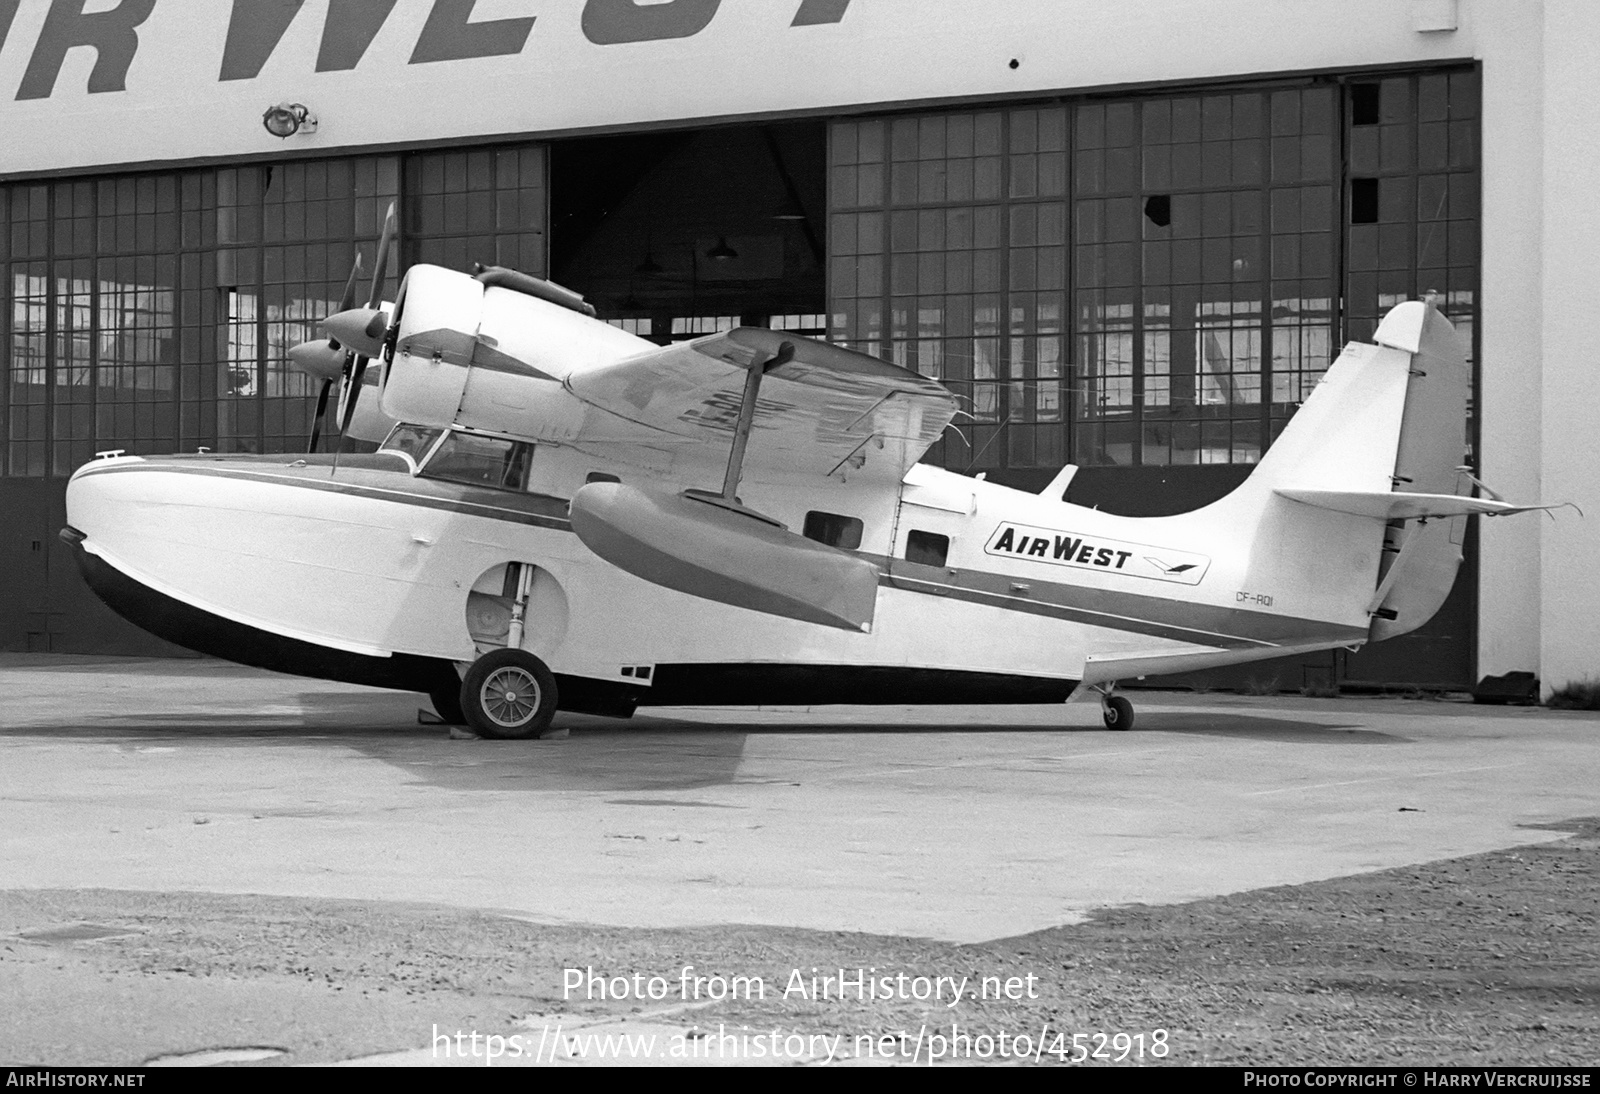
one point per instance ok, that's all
(509, 694)
(1118, 713)
(446, 700)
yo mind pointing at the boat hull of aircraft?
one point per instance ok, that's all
(382, 566)
(374, 576)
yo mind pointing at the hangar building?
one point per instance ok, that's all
(1129, 235)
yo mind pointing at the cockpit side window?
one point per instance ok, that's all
(495, 462)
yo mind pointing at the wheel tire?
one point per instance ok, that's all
(1118, 713)
(509, 694)
(446, 700)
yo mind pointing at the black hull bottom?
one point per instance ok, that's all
(673, 685)
(819, 685)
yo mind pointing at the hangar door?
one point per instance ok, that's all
(1149, 285)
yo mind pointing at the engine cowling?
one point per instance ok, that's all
(491, 358)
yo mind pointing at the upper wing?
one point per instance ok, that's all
(822, 410)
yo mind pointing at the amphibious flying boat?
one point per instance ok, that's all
(566, 516)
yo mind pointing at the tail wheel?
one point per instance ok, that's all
(1118, 713)
(509, 694)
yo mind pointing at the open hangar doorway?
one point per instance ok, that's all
(672, 235)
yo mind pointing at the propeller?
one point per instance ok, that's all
(364, 329)
(354, 335)
(326, 357)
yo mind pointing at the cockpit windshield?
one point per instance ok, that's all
(411, 441)
(480, 461)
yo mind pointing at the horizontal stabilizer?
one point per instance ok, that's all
(1392, 505)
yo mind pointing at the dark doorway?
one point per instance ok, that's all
(673, 235)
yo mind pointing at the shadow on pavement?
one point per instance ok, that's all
(1257, 728)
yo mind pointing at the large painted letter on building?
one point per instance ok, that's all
(612, 22)
(448, 36)
(815, 12)
(350, 29)
(254, 30)
(111, 33)
(8, 12)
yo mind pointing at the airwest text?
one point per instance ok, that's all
(1084, 552)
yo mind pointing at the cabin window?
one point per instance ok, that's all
(600, 476)
(833, 529)
(928, 548)
(481, 461)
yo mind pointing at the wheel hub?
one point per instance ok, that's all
(510, 697)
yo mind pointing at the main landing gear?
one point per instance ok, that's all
(1116, 711)
(509, 694)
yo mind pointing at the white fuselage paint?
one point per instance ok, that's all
(371, 562)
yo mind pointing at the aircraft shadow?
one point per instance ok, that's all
(593, 760)
(1255, 727)
(291, 716)
(1214, 724)
(649, 755)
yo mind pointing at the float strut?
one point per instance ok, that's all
(747, 416)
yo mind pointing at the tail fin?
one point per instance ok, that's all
(1423, 557)
(1362, 500)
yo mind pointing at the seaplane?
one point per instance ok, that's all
(562, 516)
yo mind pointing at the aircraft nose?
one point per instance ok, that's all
(93, 497)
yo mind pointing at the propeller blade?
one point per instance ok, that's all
(348, 300)
(316, 422)
(381, 268)
(353, 393)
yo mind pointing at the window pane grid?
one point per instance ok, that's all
(154, 312)
(937, 223)
(1202, 248)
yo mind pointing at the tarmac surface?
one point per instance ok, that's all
(198, 780)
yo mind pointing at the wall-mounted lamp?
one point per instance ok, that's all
(287, 119)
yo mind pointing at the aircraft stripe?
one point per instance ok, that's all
(1030, 606)
(1204, 624)
(1108, 620)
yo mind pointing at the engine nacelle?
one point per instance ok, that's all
(491, 358)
